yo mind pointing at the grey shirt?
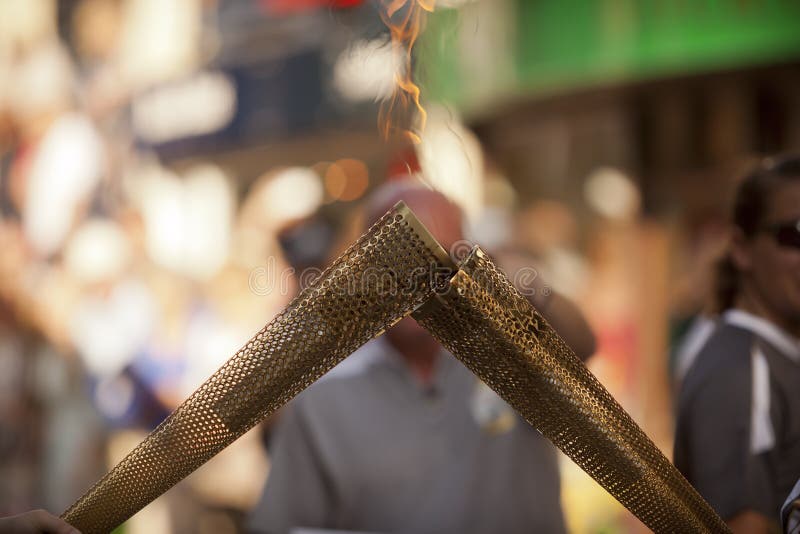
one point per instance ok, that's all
(737, 438)
(371, 450)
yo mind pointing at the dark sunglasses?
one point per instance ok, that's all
(786, 234)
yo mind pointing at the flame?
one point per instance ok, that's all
(404, 19)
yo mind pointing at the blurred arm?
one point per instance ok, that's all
(568, 321)
(562, 314)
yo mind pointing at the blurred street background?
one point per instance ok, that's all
(164, 164)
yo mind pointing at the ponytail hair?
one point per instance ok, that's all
(726, 284)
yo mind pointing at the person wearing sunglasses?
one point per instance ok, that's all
(737, 437)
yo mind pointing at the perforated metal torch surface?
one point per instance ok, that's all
(486, 323)
(377, 281)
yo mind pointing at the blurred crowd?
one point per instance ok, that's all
(123, 283)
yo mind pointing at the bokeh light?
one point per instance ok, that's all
(612, 193)
(292, 193)
(346, 179)
(367, 70)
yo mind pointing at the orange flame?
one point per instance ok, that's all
(404, 19)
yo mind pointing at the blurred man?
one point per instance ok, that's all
(408, 440)
(738, 431)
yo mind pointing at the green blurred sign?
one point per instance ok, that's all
(555, 45)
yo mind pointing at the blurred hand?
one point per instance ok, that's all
(562, 314)
(35, 522)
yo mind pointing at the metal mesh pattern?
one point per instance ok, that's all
(485, 322)
(377, 281)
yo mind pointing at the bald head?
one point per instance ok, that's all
(440, 216)
(443, 219)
